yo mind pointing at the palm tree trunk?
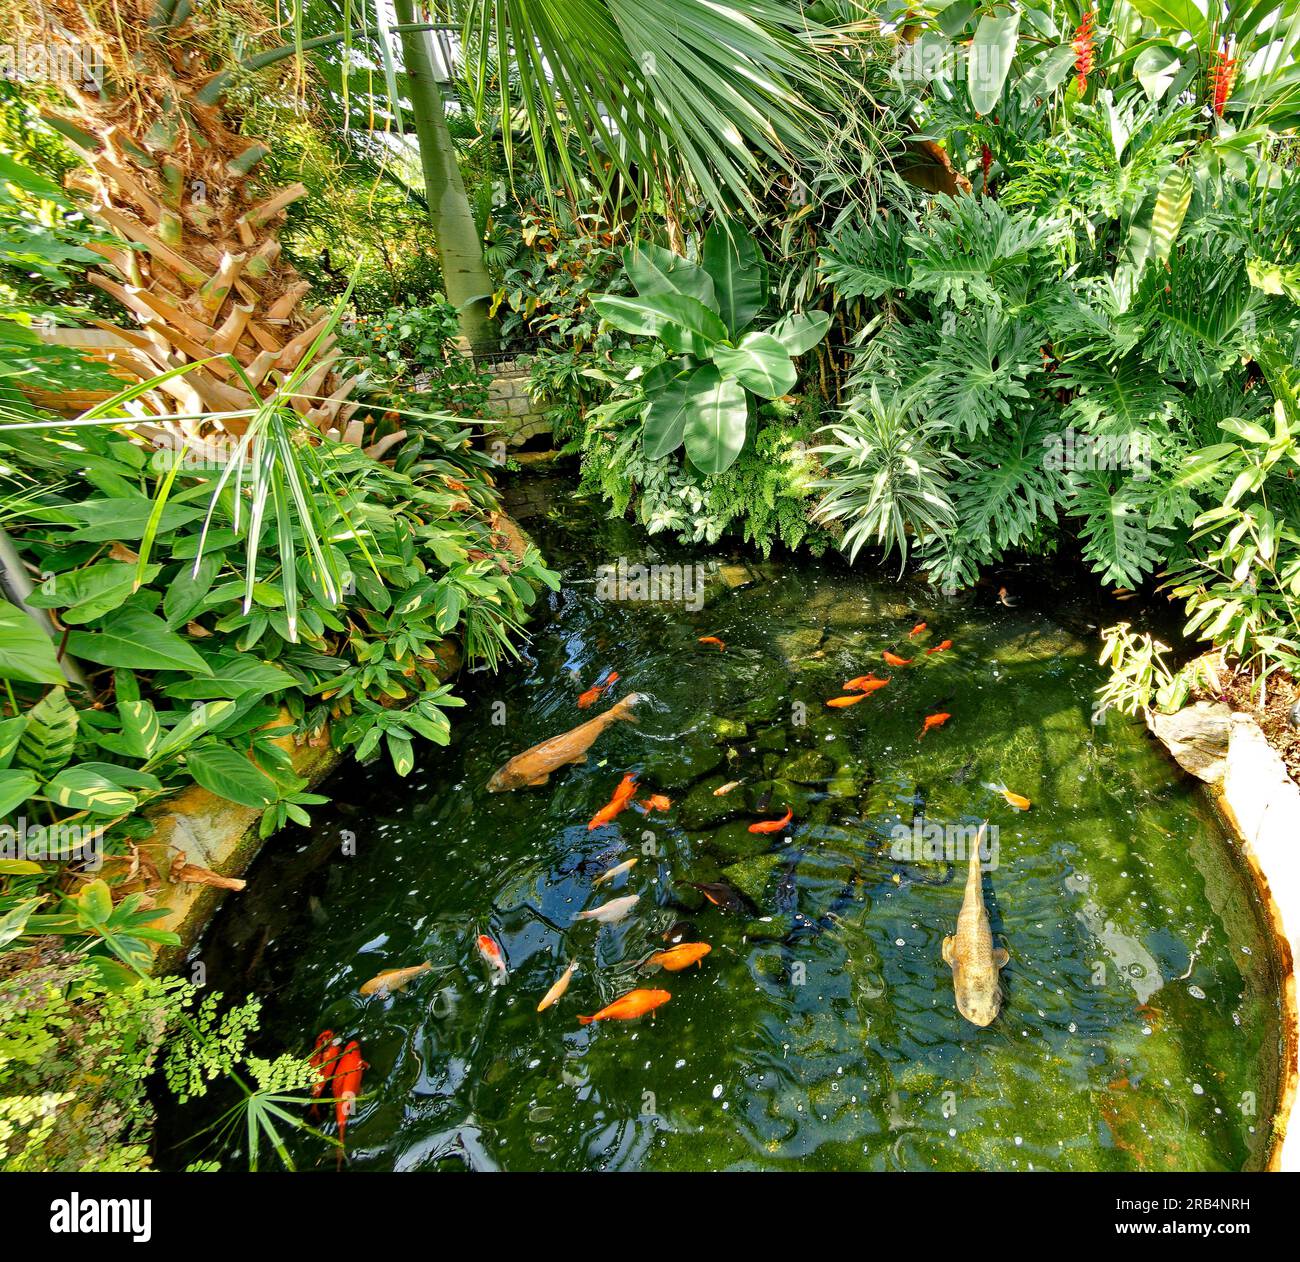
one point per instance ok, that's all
(460, 247)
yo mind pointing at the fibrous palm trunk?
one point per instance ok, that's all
(200, 268)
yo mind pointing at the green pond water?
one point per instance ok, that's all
(1140, 1028)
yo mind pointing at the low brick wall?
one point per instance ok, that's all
(508, 396)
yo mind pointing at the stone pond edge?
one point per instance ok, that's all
(1248, 784)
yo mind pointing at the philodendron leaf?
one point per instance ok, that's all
(736, 265)
(654, 270)
(760, 363)
(800, 331)
(86, 594)
(716, 420)
(15, 788)
(989, 60)
(667, 404)
(1170, 211)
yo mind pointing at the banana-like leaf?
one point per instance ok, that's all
(736, 265)
(668, 401)
(800, 331)
(989, 60)
(760, 363)
(654, 270)
(717, 419)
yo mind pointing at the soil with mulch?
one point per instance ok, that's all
(1240, 691)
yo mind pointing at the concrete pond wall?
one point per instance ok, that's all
(1260, 803)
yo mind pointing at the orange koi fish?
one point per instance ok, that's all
(933, 720)
(841, 702)
(916, 630)
(1012, 799)
(636, 1003)
(865, 683)
(712, 639)
(491, 952)
(617, 804)
(939, 648)
(679, 957)
(773, 825)
(655, 802)
(894, 660)
(594, 693)
(347, 1086)
(324, 1060)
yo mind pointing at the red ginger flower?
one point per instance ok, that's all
(1082, 45)
(1223, 74)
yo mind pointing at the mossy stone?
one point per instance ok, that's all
(753, 876)
(810, 766)
(701, 808)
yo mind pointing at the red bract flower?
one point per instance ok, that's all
(986, 158)
(1082, 46)
(1223, 74)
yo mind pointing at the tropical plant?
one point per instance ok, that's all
(701, 314)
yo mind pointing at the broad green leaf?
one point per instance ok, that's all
(84, 595)
(108, 520)
(1155, 67)
(989, 60)
(655, 270)
(26, 652)
(1175, 16)
(402, 754)
(231, 676)
(667, 403)
(12, 923)
(95, 903)
(736, 265)
(132, 637)
(11, 731)
(15, 788)
(759, 363)
(716, 421)
(652, 316)
(81, 788)
(1046, 75)
(800, 331)
(228, 774)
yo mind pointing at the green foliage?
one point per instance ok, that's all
(702, 396)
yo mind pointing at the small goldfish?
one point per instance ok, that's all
(713, 639)
(894, 660)
(939, 648)
(840, 702)
(719, 894)
(611, 912)
(617, 870)
(655, 802)
(773, 825)
(722, 790)
(916, 630)
(557, 990)
(680, 957)
(1004, 599)
(932, 721)
(347, 1086)
(1013, 799)
(616, 804)
(864, 683)
(491, 952)
(594, 693)
(392, 979)
(636, 1003)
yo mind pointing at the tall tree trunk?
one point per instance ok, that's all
(460, 247)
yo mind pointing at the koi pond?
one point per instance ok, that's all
(1140, 1021)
